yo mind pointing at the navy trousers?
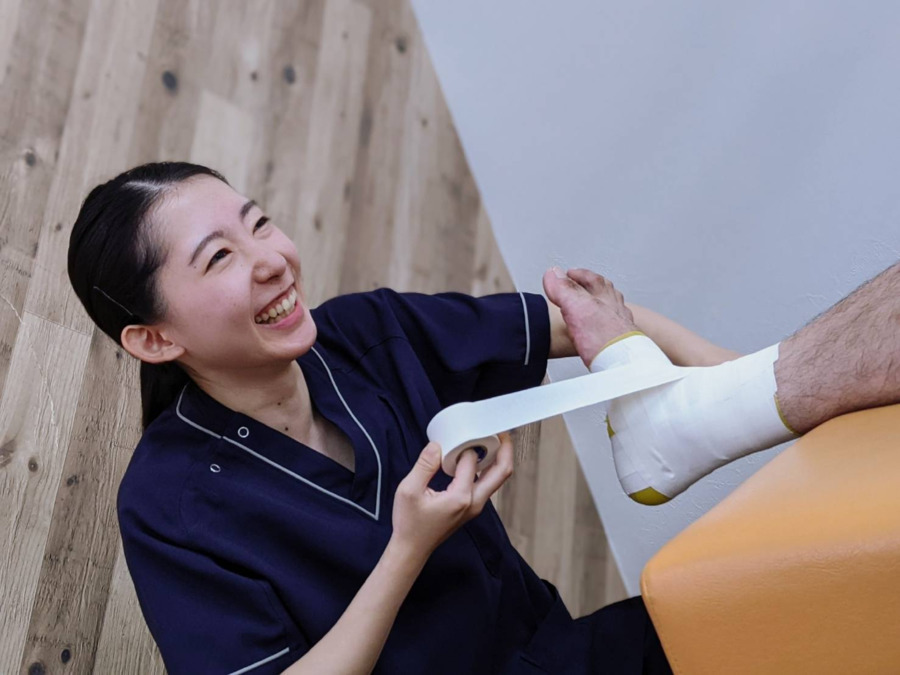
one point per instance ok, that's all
(618, 639)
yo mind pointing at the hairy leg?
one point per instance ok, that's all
(663, 440)
(847, 358)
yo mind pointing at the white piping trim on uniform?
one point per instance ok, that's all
(362, 428)
(191, 422)
(301, 478)
(288, 471)
(259, 663)
(527, 330)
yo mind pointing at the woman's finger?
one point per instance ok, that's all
(464, 477)
(495, 475)
(424, 469)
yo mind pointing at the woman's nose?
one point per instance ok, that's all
(267, 263)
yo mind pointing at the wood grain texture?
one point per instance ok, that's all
(329, 113)
(37, 412)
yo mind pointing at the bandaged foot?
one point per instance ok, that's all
(666, 438)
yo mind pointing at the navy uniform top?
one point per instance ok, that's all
(245, 546)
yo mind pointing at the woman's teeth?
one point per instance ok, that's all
(279, 310)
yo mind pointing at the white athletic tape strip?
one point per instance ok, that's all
(669, 438)
(476, 424)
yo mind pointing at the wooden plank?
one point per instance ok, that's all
(9, 10)
(240, 44)
(367, 260)
(96, 138)
(36, 415)
(300, 21)
(325, 187)
(419, 153)
(490, 273)
(37, 78)
(98, 132)
(217, 120)
(173, 79)
(237, 46)
(414, 223)
(39, 70)
(125, 644)
(72, 591)
(439, 204)
(285, 83)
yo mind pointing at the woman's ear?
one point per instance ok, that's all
(148, 344)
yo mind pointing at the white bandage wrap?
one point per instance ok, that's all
(666, 438)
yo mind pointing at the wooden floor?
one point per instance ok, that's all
(329, 114)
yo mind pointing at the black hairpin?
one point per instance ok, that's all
(117, 303)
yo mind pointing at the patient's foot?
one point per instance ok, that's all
(666, 438)
(594, 311)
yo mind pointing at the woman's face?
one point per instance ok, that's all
(226, 267)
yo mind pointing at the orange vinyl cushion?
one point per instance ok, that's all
(798, 570)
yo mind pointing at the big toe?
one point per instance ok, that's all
(559, 289)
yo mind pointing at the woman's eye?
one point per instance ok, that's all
(217, 256)
(259, 223)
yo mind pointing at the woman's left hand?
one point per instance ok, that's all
(423, 518)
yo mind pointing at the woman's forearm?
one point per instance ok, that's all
(683, 347)
(561, 344)
(356, 640)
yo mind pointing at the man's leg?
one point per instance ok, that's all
(666, 439)
(846, 359)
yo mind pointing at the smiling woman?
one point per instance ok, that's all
(279, 512)
(237, 265)
(114, 263)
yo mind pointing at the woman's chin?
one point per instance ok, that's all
(297, 342)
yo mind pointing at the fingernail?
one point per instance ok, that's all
(559, 273)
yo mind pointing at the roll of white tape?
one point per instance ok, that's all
(476, 424)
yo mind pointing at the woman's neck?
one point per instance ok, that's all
(277, 396)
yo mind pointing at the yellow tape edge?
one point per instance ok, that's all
(620, 338)
(781, 416)
(649, 497)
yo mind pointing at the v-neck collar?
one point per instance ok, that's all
(201, 411)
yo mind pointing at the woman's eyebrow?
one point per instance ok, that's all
(245, 209)
(203, 242)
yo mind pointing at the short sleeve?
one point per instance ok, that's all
(204, 617)
(473, 348)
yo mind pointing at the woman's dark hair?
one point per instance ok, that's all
(114, 259)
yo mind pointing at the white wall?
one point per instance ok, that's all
(735, 166)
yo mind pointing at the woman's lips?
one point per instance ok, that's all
(289, 320)
(276, 308)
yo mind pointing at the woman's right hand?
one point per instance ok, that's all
(423, 518)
